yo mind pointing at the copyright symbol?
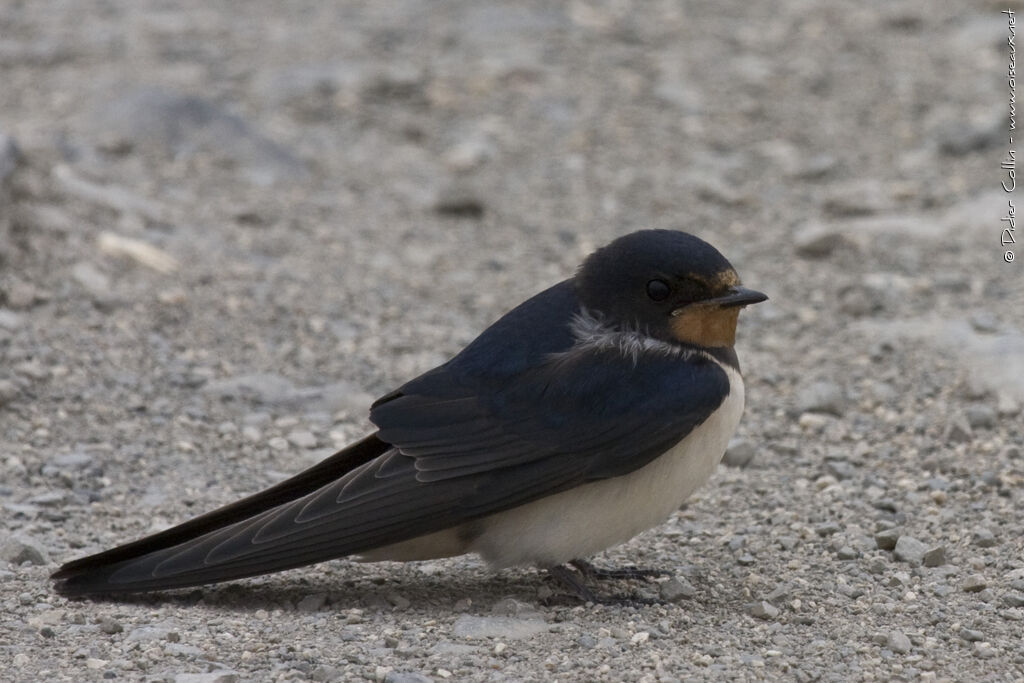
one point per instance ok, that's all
(1008, 256)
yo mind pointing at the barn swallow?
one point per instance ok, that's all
(584, 416)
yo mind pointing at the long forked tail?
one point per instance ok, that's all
(155, 562)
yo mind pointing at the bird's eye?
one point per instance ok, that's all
(658, 290)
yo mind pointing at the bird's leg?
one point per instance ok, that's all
(574, 582)
(591, 572)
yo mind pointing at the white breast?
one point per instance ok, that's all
(585, 520)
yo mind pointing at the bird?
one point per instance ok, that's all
(580, 418)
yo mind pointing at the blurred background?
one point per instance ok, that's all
(226, 227)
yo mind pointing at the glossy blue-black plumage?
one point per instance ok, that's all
(490, 408)
(524, 411)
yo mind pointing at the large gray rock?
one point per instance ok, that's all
(18, 549)
(506, 628)
(167, 122)
(996, 361)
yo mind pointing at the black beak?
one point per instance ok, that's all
(737, 296)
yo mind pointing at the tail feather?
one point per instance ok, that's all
(95, 574)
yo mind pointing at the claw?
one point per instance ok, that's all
(574, 582)
(591, 572)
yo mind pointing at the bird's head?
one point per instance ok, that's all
(668, 284)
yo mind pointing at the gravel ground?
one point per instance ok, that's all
(225, 228)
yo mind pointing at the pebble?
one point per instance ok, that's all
(17, 549)
(990, 478)
(259, 387)
(398, 601)
(818, 240)
(975, 583)
(676, 589)
(406, 677)
(11, 320)
(327, 674)
(971, 636)
(821, 397)
(970, 135)
(95, 282)
(110, 626)
(507, 628)
(860, 198)
(762, 610)
(740, 453)
(984, 538)
(827, 529)
(33, 370)
(469, 154)
(935, 557)
(302, 438)
(847, 553)
(958, 430)
(812, 421)
(816, 167)
(49, 499)
(150, 632)
(252, 433)
(849, 591)
(1006, 405)
(887, 539)
(22, 296)
(866, 298)
(898, 641)
(459, 200)
(273, 390)
(1014, 599)
(138, 250)
(510, 607)
(676, 88)
(72, 461)
(980, 416)
(840, 469)
(212, 677)
(312, 603)
(984, 650)
(909, 549)
(984, 321)
(8, 391)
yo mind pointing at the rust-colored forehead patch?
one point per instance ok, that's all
(727, 278)
(723, 279)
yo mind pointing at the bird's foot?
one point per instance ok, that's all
(591, 572)
(574, 583)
